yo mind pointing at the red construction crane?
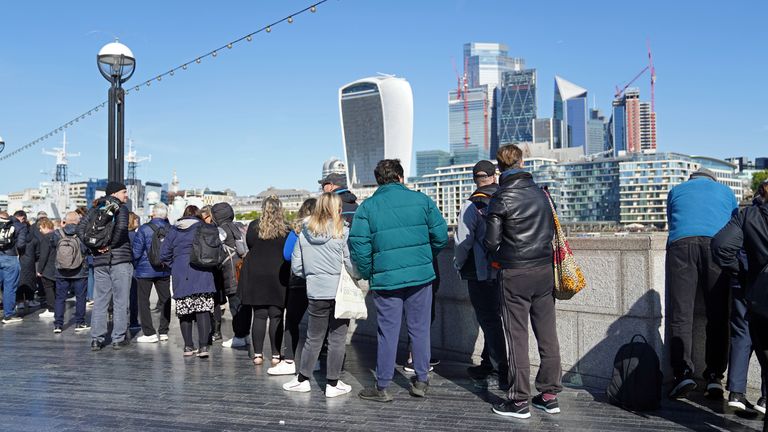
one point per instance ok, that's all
(650, 67)
(461, 94)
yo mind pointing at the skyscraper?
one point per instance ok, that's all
(544, 132)
(595, 132)
(376, 123)
(487, 61)
(516, 106)
(428, 161)
(633, 123)
(571, 109)
(470, 131)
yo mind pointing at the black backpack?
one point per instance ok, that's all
(158, 235)
(207, 249)
(636, 381)
(100, 222)
(7, 231)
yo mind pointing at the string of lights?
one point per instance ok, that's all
(169, 73)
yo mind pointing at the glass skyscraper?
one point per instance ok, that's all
(595, 132)
(516, 106)
(474, 135)
(571, 108)
(487, 61)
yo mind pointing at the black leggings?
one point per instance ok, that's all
(296, 307)
(259, 327)
(203, 328)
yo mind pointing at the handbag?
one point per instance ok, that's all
(569, 279)
(350, 299)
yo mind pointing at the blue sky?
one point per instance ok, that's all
(266, 113)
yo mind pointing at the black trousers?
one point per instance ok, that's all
(259, 328)
(203, 320)
(296, 307)
(690, 270)
(529, 292)
(163, 288)
(241, 318)
(49, 287)
(758, 331)
(486, 300)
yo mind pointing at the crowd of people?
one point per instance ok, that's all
(274, 273)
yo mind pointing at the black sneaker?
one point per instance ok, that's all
(57, 329)
(408, 367)
(738, 401)
(434, 362)
(682, 386)
(511, 408)
(82, 327)
(715, 389)
(760, 405)
(479, 372)
(374, 394)
(549, 406)
(121, 344)
(418, 388)
(96, 345)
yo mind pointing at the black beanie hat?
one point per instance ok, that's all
(113, 187)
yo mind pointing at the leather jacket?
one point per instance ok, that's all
(520, 226)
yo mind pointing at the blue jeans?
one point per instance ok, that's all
(9, 276)
(416, 302)
(741, 343)
(111, 283)
(62, 288)
(91, 281)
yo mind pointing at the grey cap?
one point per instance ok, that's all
(704, 172)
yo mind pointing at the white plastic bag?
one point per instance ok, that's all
(350, 299)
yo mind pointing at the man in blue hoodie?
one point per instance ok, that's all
(696, 210)
(13, 239)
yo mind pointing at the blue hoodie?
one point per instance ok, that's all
(699, 207)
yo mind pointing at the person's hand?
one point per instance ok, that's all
(104, 250)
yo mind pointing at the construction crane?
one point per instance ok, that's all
(650, 67)
(461, 94)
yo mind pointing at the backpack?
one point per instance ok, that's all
(241, 247)
(99, 225)
(469, 270)
(207, 249)
(158, 235)
(69, 255)
(636, 381)
(7, 231)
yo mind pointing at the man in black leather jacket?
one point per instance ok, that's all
(519, 233)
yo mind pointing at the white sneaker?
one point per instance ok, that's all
(235, 342)
(339, 390)
(147, 339)
(295, 386)
(283, 368)
(163, 337)
(89, 303)
(46, 314)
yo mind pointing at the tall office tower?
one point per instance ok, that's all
(544, 132)
(595, 132)
(487, 61)
(571, 109)
(376, 123)
(428, 161)
(633, 123)
(516, 106)
(469, 121)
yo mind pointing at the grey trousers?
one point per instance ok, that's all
(113, 283)
(321, 320)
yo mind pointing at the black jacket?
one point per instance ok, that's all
(120, 247)
(21, 237)
(520, 225)
(224, 277)
(46, 265)
(748, 230)
(348, 204)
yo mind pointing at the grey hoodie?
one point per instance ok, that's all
(318, 259)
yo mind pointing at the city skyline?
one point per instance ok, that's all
(245, 108)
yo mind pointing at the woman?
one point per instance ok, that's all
(296, 303)
(264, 276)
(25, 292)
(45, 266)
(318, 256)
(219, 299)
(193, 287)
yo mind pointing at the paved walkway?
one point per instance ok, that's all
(55, 383)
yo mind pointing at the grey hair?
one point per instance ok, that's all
(160, 210)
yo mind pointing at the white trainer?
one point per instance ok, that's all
(295, 386)
(147, 339)
(46, 314)
(163, 337)
(339, 390)
(235, 342)
(283, 368)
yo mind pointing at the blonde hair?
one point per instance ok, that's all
(509, 156)
(326, 219)
(133, 221)
(272, 221)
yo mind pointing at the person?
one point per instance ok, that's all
(296, 301)
(66, 242)
(518, 234)
(220, 298)
(148, 276)
(696, 210)
(471, 261)
(318, 256)
(403, 230)
(83, 212)
(337, 183)
(193, 287)
(134, 221)
(46, 268)
(13, 240)
(112, 268)
(263, 278)
(28, 269)
(35, 231)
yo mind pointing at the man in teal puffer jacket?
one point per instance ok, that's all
(394, 237)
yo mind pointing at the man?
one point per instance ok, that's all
(337, 183)
(147, 275)
(519, 231)
(696, 210)
(13, 240)
(71, 272)
(112, 267)
(25, 291)
(471, 261)
(394, 237)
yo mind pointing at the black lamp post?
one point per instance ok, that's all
(117, 64)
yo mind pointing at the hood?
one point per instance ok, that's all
(222, 213)
(186, 223)
(764, 209)
(315, 239)
(346, 196)
(70, 229)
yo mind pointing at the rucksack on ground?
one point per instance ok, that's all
(158, 236)
(207, 249)
(100, 222)
(7, 231)
(69, 255)
(637, 379)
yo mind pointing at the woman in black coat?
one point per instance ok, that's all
(264, 277)
(28, 274)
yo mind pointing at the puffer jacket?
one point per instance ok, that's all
(82, 272)
(120, 246)
(520, 226)
(140, 245)
(223, 216)
(318, 259)
(177, 247)
(395, 235)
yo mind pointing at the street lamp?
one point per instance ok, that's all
(116, 64)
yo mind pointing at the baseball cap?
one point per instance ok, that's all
(484, 168)
(334, 179)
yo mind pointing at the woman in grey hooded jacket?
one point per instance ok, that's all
(319, 256)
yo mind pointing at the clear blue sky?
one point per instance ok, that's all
(266, 113)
